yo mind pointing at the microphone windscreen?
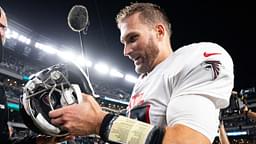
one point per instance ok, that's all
(78, 18)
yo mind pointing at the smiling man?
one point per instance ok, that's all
(177, 97)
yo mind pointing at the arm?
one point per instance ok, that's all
(222, 134)
(88, 118)
(248, 113)
(181, 134)
(251, 115)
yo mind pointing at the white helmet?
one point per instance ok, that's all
(51, 88)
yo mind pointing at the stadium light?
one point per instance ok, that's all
(28, 41)
(88, 63)
(46, 48)
(83, 62)
(116, 73)
(238, 133)
(8, 33)
(66, 55)
(14, 34)
(102, 68)
(24, 39)
(69, 56)
(130, 78)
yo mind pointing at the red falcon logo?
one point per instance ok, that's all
(214, 66)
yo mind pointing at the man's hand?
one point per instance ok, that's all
(79, 119)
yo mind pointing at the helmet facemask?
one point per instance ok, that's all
(52, 88)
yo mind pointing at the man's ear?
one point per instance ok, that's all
(160, 31)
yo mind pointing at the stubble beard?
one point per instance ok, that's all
(149, 58)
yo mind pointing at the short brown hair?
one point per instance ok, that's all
(149, 13)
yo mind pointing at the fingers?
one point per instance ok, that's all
(58, 116)
(56, 113)
(57, 121)
(73, 118)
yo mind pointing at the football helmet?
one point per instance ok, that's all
(49, 89)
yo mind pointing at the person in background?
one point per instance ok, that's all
(5, 134)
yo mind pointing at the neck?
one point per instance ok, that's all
(166, 51)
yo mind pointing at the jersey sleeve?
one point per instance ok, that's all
(208, 72)
(201, 88)
(196, 112)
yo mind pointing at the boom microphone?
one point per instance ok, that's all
(78, 18)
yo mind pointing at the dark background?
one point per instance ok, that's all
(229, 23)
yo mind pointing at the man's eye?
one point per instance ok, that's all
(133, 39)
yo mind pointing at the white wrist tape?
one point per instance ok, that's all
(126, 130)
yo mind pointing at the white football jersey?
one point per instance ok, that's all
(189, 88)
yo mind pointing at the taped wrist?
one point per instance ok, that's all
(120, 129)
(106, 125)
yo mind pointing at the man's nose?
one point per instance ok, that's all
(127, 50)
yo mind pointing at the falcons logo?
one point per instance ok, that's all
(214, 66)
